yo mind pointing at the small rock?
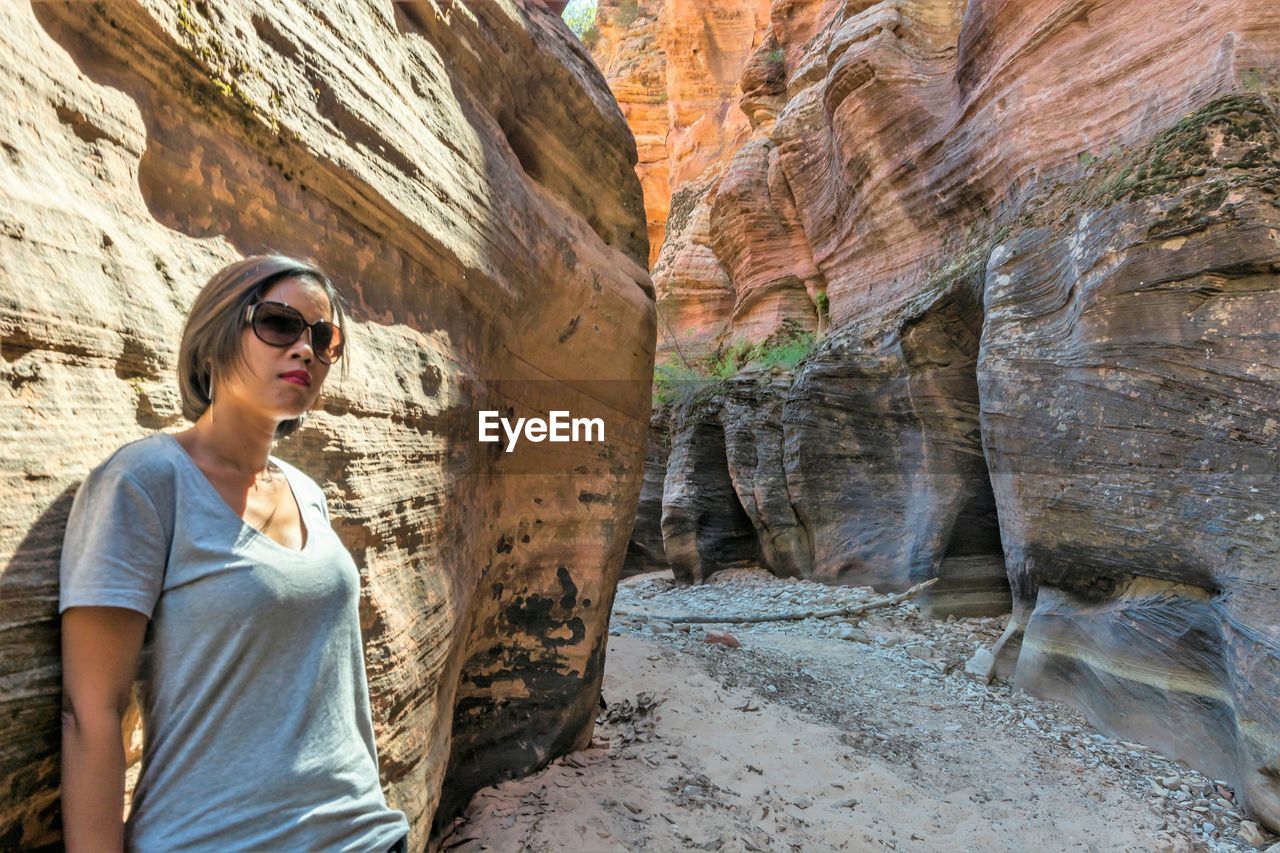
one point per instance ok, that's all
(1173, 783)
(722, 638)
(919, 652)
(1251, 834)
(852, 634)
(802, 802)
(982, 665)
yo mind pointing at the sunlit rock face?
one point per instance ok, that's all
(675, 67)
(892, 130)
(464, 175)
(986, 371)
(628, 45)
(1129, 375)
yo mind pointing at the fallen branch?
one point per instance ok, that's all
(795, 615)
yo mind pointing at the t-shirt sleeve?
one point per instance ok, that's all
(116, 546)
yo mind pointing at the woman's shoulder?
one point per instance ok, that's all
(149, 461)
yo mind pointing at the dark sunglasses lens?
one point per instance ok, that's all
(326, 340)
(278, 325)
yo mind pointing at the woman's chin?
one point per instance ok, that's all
(288, 413)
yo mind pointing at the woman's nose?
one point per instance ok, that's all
(303, 344)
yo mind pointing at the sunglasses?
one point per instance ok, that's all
(280, 325)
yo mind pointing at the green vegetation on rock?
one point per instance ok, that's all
(1227, 141)
(675, 380)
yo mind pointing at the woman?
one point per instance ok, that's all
(256, 718)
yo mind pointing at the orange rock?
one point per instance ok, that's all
(722, 638)
(674, 68)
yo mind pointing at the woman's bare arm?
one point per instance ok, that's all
(100, 650)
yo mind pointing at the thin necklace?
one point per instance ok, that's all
(279, 494)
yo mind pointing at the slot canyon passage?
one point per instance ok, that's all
(950, 328)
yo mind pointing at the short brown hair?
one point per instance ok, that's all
(211, 338)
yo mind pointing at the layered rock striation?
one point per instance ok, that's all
(674, 66)
(464, 175)
(1034, 244)
(1129, 375)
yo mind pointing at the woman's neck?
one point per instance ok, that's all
(233, 441)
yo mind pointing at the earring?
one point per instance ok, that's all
(211, 399)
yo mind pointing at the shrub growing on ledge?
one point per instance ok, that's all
(676, 380)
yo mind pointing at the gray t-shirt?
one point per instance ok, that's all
(257, 732)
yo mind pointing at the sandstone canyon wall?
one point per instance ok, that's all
(1038, 243)
(465, 176)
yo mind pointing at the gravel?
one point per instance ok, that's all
(1198, 813)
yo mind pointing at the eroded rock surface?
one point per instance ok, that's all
(704, 527)
(1130, 369)
(645, 552)
(627, 43)
(676, 68)
(463, 173)
(884, 459)
(1125, 345)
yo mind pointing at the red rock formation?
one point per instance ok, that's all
(891, 147)
(627, 44)
(464, 175)
(674, 67)
(707, 45)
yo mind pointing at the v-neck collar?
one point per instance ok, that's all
(308, 532)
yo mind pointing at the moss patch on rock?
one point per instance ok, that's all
(1230, 142)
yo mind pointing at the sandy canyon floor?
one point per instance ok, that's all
(815, 735)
